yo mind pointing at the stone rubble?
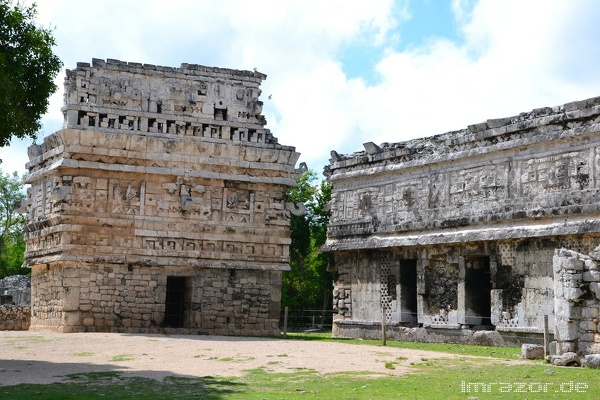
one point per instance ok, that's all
(568, 359)
(591, 361)
(14, 318)
(532, 351)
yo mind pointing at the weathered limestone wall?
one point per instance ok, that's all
(520, 292)
(81, 297)
(14, 318)
(165, 171)
(17, 288)
(167, 217)
(577, 301)
(475, 214)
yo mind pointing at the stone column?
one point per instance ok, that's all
(568, 275)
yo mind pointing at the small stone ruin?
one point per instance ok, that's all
(160, 205)
(15, 298)
(15, 290)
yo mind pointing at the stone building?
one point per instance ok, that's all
(160, 204)
(473, 234)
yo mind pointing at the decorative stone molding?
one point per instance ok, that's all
(168, 171)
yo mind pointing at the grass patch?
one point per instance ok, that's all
(430, 378)
(458, 378)
(511, 353)
(114, 385)
(84, 354)
(236, 359)
(122, 357)
(433, 379)
(23, 342)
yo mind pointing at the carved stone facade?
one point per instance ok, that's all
(160, 204)
(457, 232)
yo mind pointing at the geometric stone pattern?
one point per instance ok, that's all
(480, 212)
(388, 285)
(495, 177)
(155, 167)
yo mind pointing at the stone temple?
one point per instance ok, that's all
(160, 205)
(473, 235)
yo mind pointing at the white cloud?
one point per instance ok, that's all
(515, 55)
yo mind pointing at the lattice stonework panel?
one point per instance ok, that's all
(387, 282)
(507, 253)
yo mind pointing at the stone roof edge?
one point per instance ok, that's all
(185, 68)
(487, 130)
(529, 229)
(68, 163)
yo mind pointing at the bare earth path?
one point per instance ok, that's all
(46, 357)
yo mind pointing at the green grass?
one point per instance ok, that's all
(432, 378)
(122, 357)
(238, 358)
(23, 342)
(114, 385)
(511, 353)
(84, 354)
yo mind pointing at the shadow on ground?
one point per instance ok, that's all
(106, 381)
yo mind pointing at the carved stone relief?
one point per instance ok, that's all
(127, 197)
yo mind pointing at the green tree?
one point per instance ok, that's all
(27, 71)
(12, 225)
(308, 286)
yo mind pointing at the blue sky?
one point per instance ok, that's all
(419, 23)
(343, 73)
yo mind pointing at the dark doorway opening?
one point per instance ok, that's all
(478, 286)
(175, 303)
(408, 291)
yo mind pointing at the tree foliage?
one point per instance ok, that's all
(308, 286)
(12, 241)
(27, 70)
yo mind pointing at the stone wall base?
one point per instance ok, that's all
(84, 297)
(435, 335)
(15, 318)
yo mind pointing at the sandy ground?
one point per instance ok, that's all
(46, 357)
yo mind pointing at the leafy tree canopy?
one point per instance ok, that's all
(12, 241)
(27, 71)
(308, 286)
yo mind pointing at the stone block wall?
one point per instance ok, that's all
(14, 318)
(161, 178)
(577, 301)
(478, 214)
(72, 297)
(521, 289)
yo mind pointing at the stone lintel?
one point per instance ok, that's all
(471, 234)
(158, 261)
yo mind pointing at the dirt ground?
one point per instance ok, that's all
(46, 357)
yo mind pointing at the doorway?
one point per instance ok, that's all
(175, 302)
(478, 286)
(408, 291)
